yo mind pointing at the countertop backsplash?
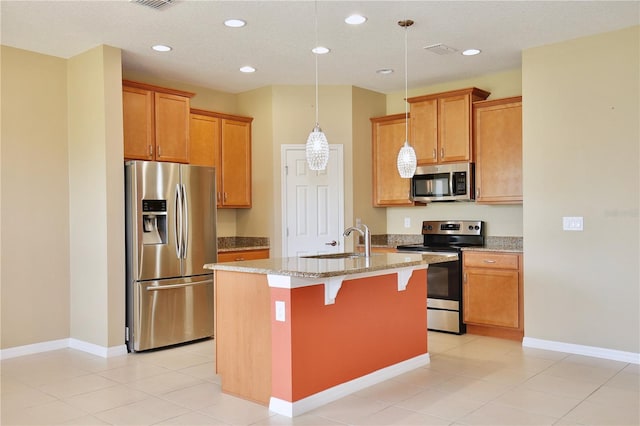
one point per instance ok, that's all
(242, 243)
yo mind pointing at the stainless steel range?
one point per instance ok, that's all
(444, 280)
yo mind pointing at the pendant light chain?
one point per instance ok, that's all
(317, 147)
(316, 58)
(406, 161)
(406, 78)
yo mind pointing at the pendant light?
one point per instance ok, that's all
(407, 161)
(317, 149)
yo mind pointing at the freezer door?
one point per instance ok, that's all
(168, 312)
(152, 233)
(199, 219)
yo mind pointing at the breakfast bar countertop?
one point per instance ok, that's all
(309, 267)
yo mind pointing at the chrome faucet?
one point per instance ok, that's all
(366, 234)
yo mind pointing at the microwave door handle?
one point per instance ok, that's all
(451, 183)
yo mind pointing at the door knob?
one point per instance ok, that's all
(332, 243)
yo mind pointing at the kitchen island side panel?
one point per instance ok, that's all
(370, 326)
(243, 335)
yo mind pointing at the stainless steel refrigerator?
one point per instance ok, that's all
(171, 233)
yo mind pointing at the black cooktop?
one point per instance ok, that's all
(448, 235)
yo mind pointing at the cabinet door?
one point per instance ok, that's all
(389, 189)
(424, 130)
(204, 141)
(498, 143)
(454, 128)
(172, 128)
(138, 123)
(236, 163)
(490, 297)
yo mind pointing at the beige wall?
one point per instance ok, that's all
(366, 104)
(581, 158)
(259, 221)
(34, 249)
(500, 220)
(96, 202)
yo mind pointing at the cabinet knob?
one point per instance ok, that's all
(489, 261)
(434, 153)
(442, 152)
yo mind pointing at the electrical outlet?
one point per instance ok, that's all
(572, 223)
(407, 222)
(280, 310)
(358, 222)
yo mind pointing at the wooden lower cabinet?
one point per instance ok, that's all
(492, 294)
(239, 255)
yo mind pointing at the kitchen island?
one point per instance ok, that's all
(296, 333)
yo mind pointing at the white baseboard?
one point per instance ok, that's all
(97, 349)
(53, 345)
(594, 351)
(290, 409)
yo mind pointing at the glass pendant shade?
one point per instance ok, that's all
(317, 151)
(407, 161)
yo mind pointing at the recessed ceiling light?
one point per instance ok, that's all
(161, 48)
(355, 19)
(471, 52)
(384, 71)
(320, 50)
(235, 23)
(247, 69)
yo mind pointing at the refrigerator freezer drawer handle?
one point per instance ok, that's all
(185, 231)
(177, 223)
(172, 286)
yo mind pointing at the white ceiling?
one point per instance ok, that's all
(280, 34)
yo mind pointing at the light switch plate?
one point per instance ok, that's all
(407, 222)
(572, 223)
(280, 310)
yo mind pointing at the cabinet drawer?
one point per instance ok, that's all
(234, 256)
(490, 260)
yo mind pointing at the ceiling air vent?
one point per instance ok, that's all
(440, 49)
(156, 4)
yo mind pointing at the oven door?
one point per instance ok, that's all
(443, 283)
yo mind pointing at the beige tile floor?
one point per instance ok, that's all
(471, 380)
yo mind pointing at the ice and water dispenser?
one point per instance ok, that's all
(154, 221)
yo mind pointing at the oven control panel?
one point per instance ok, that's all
(455, 227)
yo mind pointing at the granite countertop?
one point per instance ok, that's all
(322, 268)
(491, 243)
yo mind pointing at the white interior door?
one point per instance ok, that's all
(313, 203)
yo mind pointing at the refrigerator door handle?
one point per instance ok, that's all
(169, 287)
(185, 218)
(177, 223)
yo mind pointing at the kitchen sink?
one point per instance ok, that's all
(334, 256)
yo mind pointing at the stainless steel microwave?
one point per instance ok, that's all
(443, 182)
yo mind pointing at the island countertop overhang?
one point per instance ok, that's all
(305, 267)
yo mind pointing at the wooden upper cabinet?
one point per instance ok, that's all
(204, 140)
(424, 130)
(441, 125)
(224, 142)
(389, 189)
(236, 163)
(138, 123)
(172, 128)
(498, 146)
(156, 122)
